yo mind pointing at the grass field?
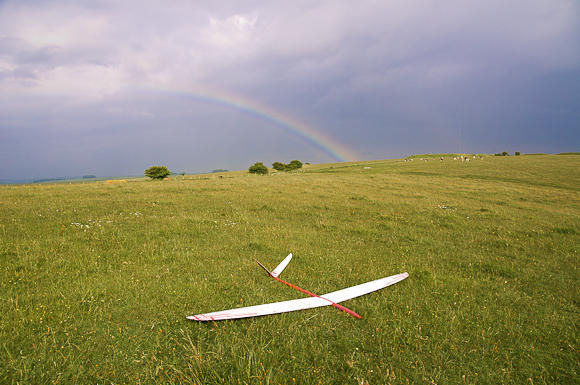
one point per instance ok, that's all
(96, 279)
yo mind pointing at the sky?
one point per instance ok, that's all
(110, 88)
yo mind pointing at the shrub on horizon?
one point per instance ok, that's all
(258, 168)
(279, 166)
(157, 172)
(294, 165)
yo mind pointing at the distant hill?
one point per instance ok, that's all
(48, 180)
(15, 181)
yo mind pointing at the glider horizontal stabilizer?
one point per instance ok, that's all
(278, 270)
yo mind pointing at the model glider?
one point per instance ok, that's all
(304, 303)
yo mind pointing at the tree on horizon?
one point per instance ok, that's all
(157, 172)
(258, 168)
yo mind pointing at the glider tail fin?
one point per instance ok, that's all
(278, 270)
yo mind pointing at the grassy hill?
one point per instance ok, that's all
(96, 279)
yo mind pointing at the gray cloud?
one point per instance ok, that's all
(80, 83)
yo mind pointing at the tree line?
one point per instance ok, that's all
(161, 172)
(260, 168)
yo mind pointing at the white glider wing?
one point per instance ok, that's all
(365, 288)
(301, 304)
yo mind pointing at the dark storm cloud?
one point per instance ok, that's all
(386, 79)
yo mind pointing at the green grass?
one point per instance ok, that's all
(97, 279)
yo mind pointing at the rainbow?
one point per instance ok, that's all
(289, 124)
